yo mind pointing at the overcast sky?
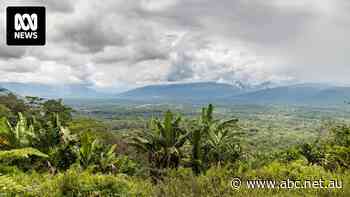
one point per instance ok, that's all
(127, 43)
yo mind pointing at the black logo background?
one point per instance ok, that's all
(10, 25)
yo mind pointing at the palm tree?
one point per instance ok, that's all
(162, 140)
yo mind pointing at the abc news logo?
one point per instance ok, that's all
(32, 22)
(26, 25)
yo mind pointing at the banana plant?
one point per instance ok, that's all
(162, 140)
(222, 146)
(18, 136)
(222, 132)
(49, 135)
(95, 155)
(108, 159)
(212, 140)
(8, 155)
(87, 150)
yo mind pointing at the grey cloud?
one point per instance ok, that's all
(181, 69)
(254, 21)
(119, 42)
(18, 69)
(150, 49)
(303, 38)
(145, 45)
(132, 55)
(89, 34)
(8, 52)
(64, 6)
(19, 66)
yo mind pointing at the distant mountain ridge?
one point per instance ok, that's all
(187, 91)
(303, 94)
(199, 92)
(52, 91)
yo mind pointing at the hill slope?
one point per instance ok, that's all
(196, 93)
(305, 94)
(300, 94)
(4, 91)
(48, 91)
(183, 92)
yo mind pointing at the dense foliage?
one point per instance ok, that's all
(46, 151)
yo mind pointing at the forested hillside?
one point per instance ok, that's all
(50, 149)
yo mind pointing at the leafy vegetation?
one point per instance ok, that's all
(48, 149)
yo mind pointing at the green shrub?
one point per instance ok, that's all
(296, 170)
(10, 187)
(74, 182)
(337, 158)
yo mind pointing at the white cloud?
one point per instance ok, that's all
(32, 70)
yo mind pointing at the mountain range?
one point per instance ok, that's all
(187, 91)
(201, 92)
(303, 94)
(53, 91)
